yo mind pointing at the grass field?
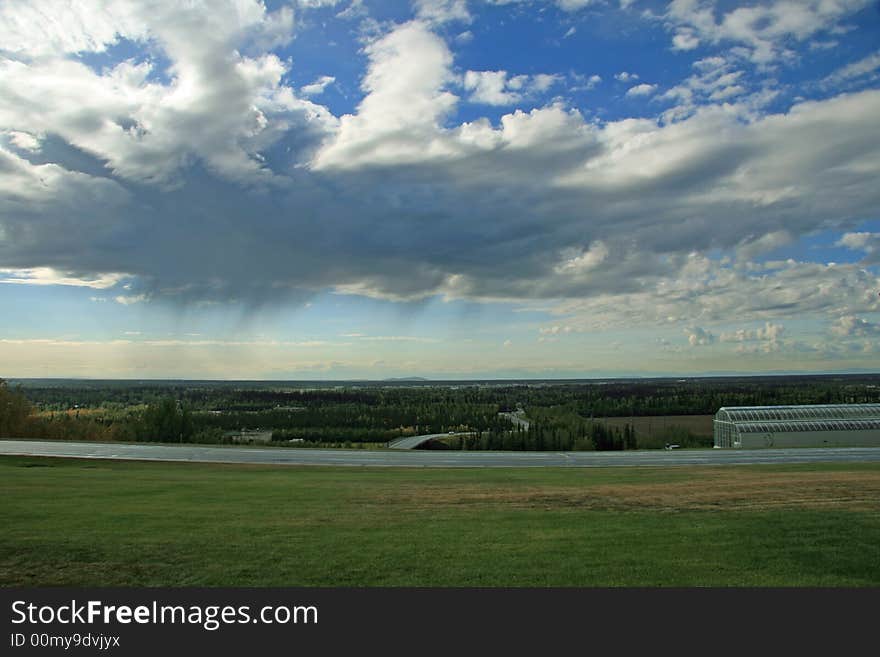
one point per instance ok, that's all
(74, 522)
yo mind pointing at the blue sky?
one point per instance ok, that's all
(326, 189)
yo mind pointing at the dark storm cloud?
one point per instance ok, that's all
(223, 185)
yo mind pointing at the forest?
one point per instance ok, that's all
(560, 415)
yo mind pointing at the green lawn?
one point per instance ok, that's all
(114, 523)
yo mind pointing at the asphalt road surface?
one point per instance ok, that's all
(412, 458)
(414, 441)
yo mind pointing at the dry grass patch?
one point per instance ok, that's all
(708, 490)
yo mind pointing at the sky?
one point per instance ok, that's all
(451, 189)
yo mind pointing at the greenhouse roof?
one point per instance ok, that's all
(798, 414)
(808, 425)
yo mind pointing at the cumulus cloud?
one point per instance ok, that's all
(641, 90)
(574, 5)
(860, 241)
(752, 246)
(202, 175)
(130, 299)
(405, 102)
(580, 82)
(685, 39)
(396, 338)
(490, 88)
(699, 337)
(221, 106)
(866, 242)
(700, 289)
(770, 332)
(575, 263)
(22, 140)
(555, 330)
(763, 30)
(442, 11)
(316, 4)
(318, 86)
(625, 76)
(43, 27)
(498, 88)
(543, 81)
(49, 276)
(851, 326)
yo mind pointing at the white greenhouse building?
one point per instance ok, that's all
(824, 425)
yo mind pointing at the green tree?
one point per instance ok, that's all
(166, 421)
(14, 411)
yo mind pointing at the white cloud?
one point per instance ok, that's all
(318, 86)
(543, 81)
(685, 39)
(130, 299)
(556, 329)
(641, 90)
(624, 76)
(699, 337)
(574, 5)
(316, 4)
(496, 88)
(219, 105)
(770, 332)
(851, 326)
(43, 27)
(865, 69)
(649, 193)
(356, 9)
(49, 276)
(701, 290)
(764, 29)
(23, 140)
(583, 82)
(398, 338)
(575, 263)
(867, 242)
(750, 246)
(442, 11)
(212, 180)
(727, 92)
(404, 105)
(716, 80)
(490, 88)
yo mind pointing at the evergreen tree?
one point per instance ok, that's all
(14, 411)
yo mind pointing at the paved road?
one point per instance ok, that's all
(354, 457)
(414, 441)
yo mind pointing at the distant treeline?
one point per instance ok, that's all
(561, 414)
